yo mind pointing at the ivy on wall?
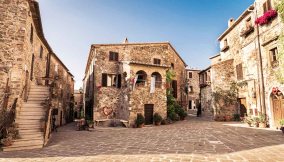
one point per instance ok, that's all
(280, 71)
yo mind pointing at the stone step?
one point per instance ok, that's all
(37, 98)
(28, 121)
(29, 131)
(17, 148)
(30, 136)
(31, 117)
(39, 93)
(39, 138)
(28, 126)
(28, 104)
(40, 113)
(43, 96)
(35, 102)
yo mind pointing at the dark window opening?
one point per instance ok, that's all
(157, 61)
(172, 65)
(40, 52)
(141, 78)
(273, 57)
(174, 87)
(158, 79)
(32, 34)
(111, 80)
(113, 56)
(189, 74)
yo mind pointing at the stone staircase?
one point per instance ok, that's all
(29, 120)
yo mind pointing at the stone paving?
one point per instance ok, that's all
(190, 140)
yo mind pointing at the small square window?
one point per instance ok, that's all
(273, 57)
(157, 61)
(113, 56)
(189, 74)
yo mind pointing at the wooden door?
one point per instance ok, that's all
(243, 106)
(148, 113)
(190, 104)
(174, 86)
(278, 110)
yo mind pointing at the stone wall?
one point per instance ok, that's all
(193, 95)
(124, 102)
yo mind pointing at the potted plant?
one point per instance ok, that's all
(90, 123)
(262, 121)
(281, 122)
(248, 120)
(157, 119)
(140, 120)
(7, 141)
(255, 122)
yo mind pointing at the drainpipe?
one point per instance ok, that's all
(261, 86)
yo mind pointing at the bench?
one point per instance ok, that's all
(100, 120)
(125, 123)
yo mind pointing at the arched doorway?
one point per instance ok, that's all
(141, 78)
(158, 79)
(277, 103)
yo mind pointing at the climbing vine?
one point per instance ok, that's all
(280, 71)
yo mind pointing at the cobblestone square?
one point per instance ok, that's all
(190, 140)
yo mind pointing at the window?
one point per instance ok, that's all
(248, 23)
(189, 74)
(40, 52)
(141, 78)
(239, 69)
(225, 43)
(157, 61)
(174, 87)
(158, 79)
(273, 57)
(190, 89)
(172, 65)
(266, 6)
(111, 80)
(32, 34)
(113, 56)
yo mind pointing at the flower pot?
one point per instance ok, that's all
(157, 123)
(140, 126)
(282, 129)
(262, 125)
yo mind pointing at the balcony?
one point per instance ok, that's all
(246, 31)
(225, 48)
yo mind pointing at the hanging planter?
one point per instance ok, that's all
(266, 18)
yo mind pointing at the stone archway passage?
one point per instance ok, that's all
(278, 107)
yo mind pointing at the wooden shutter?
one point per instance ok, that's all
(268, 5)
(190, 74)
(239, 69)
(104, 80)
(116, 56)
(110, 56)
(264, 8)
(174, 86)
(32, 67)
(119, 81)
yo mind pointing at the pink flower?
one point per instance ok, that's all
(266, 17)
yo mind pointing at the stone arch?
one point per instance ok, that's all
(141, 78)
(275, 106)
(158, 80)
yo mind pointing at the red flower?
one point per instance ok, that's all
(267, 16)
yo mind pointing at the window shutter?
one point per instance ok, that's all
(119, 81)
(264, 8)
(268, 5)
(104, 80)
(110, 56)
(116, 56)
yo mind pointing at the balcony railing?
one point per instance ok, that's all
(246, 31)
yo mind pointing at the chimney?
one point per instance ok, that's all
(231, 22)
(125, 41)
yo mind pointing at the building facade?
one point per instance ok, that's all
(193, 88)
(205, 91)
(248, 57)
(122, 80)
(29, 69)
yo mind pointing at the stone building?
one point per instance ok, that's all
(205, 91)
(124, 79)
(29, 69)
(193, 88)
(248, 57)
(78, 101)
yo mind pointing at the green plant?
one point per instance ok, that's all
(255, 121)
(180, 111)
(140, 119)
(248, 120)
(237, 117)
(262, 118)
(90, 122)
(281, 122)
(157, 118)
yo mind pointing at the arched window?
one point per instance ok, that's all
(141, 78)
(158, 79)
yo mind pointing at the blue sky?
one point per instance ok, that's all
(192, 26)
